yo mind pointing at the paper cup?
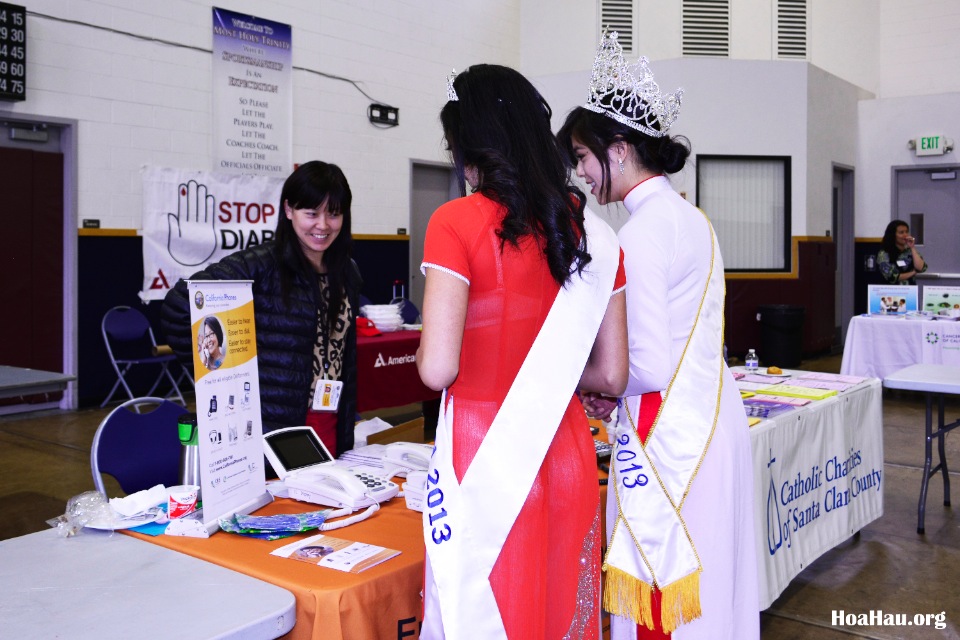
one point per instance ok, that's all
(181, 500)
(610, 425)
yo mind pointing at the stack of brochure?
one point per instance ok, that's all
(792, 391)
(757, 381)
(815, 380)
(758, 408)
(368, 459)
(831, 377)
(793, 402)
(822, 384)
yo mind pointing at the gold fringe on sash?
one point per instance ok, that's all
(680, 602)
(629, 597)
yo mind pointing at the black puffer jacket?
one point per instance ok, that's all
(286, 334)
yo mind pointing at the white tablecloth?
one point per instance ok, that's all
(818, 479)
(878, 346)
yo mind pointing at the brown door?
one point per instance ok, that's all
(31, 252)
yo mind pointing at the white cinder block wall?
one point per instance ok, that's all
(136, 75)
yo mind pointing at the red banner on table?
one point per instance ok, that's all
(387, 373)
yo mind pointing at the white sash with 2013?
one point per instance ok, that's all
(466, 524)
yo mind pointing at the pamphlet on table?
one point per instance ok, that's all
(764, 409)
(831, 377)
(821, 384)
(794, 402)
(790, 390)
(761, 378)
(745, 385)
(335, 553)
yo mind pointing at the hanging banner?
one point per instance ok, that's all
(228, 396)
(193, 218)
(252, 94)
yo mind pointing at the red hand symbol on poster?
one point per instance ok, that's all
(192, 236)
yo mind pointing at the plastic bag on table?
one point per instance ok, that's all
(274, 527)
(82, 509)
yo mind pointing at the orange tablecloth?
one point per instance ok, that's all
(381, 602)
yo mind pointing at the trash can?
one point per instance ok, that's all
(781, 334)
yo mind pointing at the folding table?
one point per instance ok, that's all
(18, 381)
(934, 380)
(103, 585)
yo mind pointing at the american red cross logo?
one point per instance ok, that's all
(160, 281)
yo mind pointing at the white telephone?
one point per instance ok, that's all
(311, 474)
(409, 455)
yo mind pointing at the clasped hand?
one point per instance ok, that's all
(597, 406)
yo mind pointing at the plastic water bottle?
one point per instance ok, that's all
(751, 362)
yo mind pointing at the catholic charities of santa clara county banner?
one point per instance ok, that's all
(192, 218)
(252, 94)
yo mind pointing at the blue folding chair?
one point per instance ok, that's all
(130, 341)
(139, 450)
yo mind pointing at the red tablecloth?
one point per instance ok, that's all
(387, 371)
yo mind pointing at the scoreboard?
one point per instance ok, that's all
(13, 52)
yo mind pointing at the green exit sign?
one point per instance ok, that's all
(931, 146)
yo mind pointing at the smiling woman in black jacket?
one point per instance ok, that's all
(306, 291)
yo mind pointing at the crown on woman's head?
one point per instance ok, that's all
(627, 93)
(451, 92)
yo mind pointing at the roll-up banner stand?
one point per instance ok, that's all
(228, 399)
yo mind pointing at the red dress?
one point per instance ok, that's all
(546, 579)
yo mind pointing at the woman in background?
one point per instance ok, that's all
(306, 291)
(522, 306)
(898, 260)
(681, 556)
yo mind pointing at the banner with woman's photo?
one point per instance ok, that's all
(228, 395)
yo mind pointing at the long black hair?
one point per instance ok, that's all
(311, 185)
(889, 242)
(597, 132)
(501, 126)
